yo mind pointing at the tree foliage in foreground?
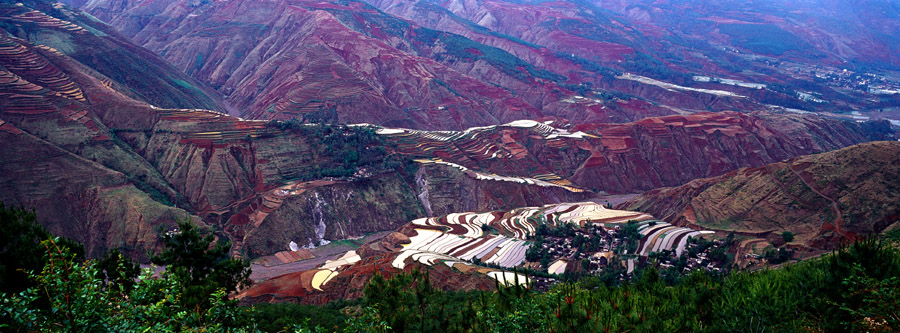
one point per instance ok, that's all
(854, 289)
(80, 300)
(20, 248)
(201, 265)
(66, 293)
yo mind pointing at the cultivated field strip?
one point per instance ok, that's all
(228, 127)
(34, 67)
(501, 238)
(555, 181)
(658, 236)
(466, 149)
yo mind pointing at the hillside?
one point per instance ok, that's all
(338, 62)
(114, 171)
(133, 70)
(636, 156)
(136, 166)
(777, 53)
(60, 157)
(823, 199)
(459, 64)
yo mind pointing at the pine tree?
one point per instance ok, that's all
(201, 266)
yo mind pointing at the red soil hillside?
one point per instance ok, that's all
(457, 64)
(638, 156)
(823, 199)
(106, 169)
(791, 54)
(290, 59)
(135, 71)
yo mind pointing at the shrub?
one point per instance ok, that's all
(787, 236)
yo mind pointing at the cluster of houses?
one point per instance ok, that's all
(596, 249)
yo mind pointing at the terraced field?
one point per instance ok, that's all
(26, 15)
(482, 150)
(462, 241)
(631, 157)
(659, 236)
(27, 71)
(463, 250)
(218, 127)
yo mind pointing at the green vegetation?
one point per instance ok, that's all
(69, 294)
(200, 267)
(779, 256)
(280, 316)
(631, 235)
(413, 304)
(854, 289)
(118, 270)
(719, 254)
(20, 248)
(787, 236)
(893, 235)
(566, 230)
(341, 151)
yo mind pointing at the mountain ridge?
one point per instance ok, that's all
(635, 66)
(823, 199)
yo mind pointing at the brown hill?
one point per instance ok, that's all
(131, 69)
(638, 156)
(121, 166)
(101, 165)
(462, 63)
(823, 198)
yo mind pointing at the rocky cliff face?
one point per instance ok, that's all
(823, 199)
(79, 198)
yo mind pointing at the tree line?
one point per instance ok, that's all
(48, 285)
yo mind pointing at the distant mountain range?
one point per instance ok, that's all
(458, 64)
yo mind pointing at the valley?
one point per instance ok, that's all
(349, 150)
